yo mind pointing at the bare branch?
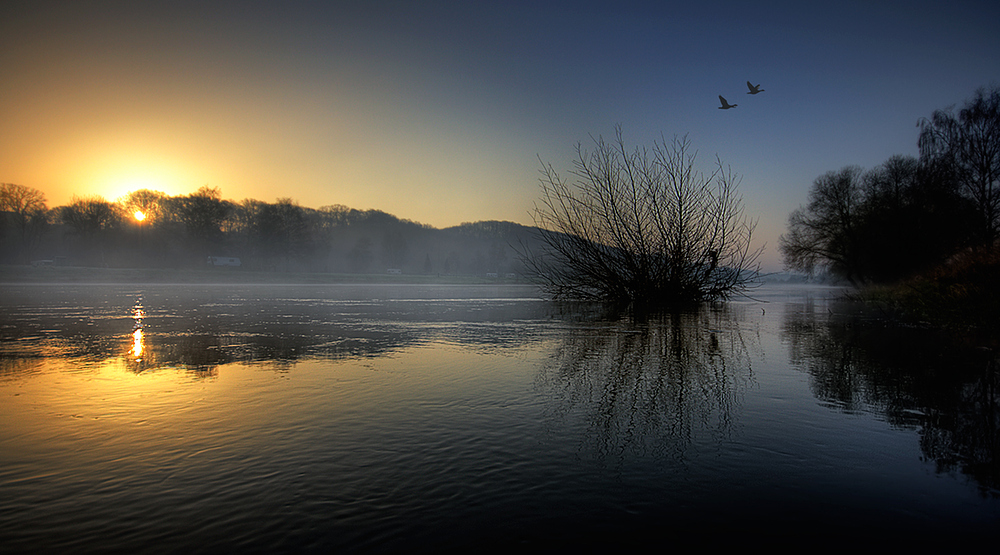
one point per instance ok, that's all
(642, 226)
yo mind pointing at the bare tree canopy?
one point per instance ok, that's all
(642, 226)
(20, 199)
(881, 225)
(149, 203)
(826, 231)
(88, 216)
(968, 143)
(906, 215)
(25, 208)
(203, 213)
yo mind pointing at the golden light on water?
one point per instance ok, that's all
(138, 339)
(137, 344)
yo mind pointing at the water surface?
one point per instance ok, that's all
(423, 418)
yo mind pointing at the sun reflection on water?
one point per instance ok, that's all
(138, 337)
(137, 340)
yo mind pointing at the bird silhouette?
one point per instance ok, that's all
(754, 89)
(726, 105)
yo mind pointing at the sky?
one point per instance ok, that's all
(442, 112)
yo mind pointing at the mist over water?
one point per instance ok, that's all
(421, 418)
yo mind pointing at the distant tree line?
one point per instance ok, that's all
(151, 229)
(908, 214)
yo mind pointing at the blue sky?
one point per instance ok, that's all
(438, 111)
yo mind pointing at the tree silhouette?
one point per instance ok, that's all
(150, 203)
(280, 230)
(642, 226)
(825, 231)
(182, 230)
(906, 215)
(88, 216)
(877, 226)
(969, 144)
(93, 221)
(203, 213)
(25, 209)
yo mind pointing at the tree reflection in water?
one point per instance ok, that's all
(651, 385)
(917, 378)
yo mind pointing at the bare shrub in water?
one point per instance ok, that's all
(643, 227)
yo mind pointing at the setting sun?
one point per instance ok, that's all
(139, 216)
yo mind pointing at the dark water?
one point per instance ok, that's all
(317, 418)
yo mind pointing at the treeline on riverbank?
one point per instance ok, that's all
(148, 229)
(920, 235)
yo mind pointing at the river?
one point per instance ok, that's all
(429, 418)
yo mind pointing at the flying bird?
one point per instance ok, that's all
(754, 89)
(726, 105)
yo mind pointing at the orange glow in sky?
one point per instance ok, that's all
(439, 113)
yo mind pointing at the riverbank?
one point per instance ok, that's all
(960, 295)
(222, 275)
